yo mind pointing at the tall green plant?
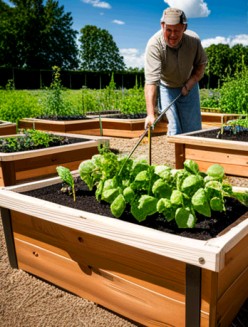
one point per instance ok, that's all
(233, 93)
(55, 104)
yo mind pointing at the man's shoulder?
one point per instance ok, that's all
(191, 35)
(156, 37)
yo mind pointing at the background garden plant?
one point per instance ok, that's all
(231, 97)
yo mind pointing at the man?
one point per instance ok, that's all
(174, 62)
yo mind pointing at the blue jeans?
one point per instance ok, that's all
(185, 114)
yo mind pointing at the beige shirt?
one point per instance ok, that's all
(172, 66)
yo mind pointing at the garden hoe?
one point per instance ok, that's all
(149, 130)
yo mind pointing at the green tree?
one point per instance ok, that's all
(218, 61)
(37, 35)
(225, 61)
(99, 52)
(238, 58)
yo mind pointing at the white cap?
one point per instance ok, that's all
(173, 16)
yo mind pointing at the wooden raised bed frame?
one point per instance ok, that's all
(126, 128)
(19, 167)
(7, 128)
(154, 278)
(115, 127)
(232, 155)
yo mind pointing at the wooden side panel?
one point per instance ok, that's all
(102, 287)
(71, 126)
(146, 287)
(179, 155)
(41, 126)
(7, 129)
(105, 253)
(234, 162)
(233, 283)
(232, 300)
(16, 171)
(7, 173)
(127, 128)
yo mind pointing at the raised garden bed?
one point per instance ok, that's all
(115, 127)
(216, 119)
(18, 167)
(153, 277)
(231, 154)
(7, 128)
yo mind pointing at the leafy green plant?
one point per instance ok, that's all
(15, 104)
(55, 104)
(145, 189)
(66, 175)
(210, 98)
(234, 95)
(31, 140)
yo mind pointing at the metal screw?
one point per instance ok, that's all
(201, 260)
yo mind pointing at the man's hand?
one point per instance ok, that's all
(185, 91)
(150, 119)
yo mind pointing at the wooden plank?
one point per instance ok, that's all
(129, 262)
(102, 287)
(232, 300)
(206, 254)
(15, 171)
(7, 129)
(46, 165)
(7, 175)
(179, 155)
(236, 262)
(209, 296)
(209, 154)
(188, 138)
(9, 237)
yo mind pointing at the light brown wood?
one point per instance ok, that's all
(134, 271)
(233, 299)
(232, 155)
(29, 165)
(102, 287)
(7, 128)
(172, 246)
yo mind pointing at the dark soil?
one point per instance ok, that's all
(239, 134)
(128, 116)
(107, 114)
(60, 118)
(205, 229)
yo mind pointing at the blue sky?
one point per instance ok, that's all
(132, 22)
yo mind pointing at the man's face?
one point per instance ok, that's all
(173, 33)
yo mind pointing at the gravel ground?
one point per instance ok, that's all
(26, 301)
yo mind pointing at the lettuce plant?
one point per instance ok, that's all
(176, 194)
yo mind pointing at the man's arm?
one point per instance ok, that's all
(196, 76)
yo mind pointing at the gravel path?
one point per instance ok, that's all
(26, 301)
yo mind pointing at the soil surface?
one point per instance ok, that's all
(205, 229)
(26, 301)
(106, 114)
(228, 133)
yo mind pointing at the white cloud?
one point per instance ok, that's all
(118, 22)
(231, 40)
(132, 57)
(192, 8)
(98, 3)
